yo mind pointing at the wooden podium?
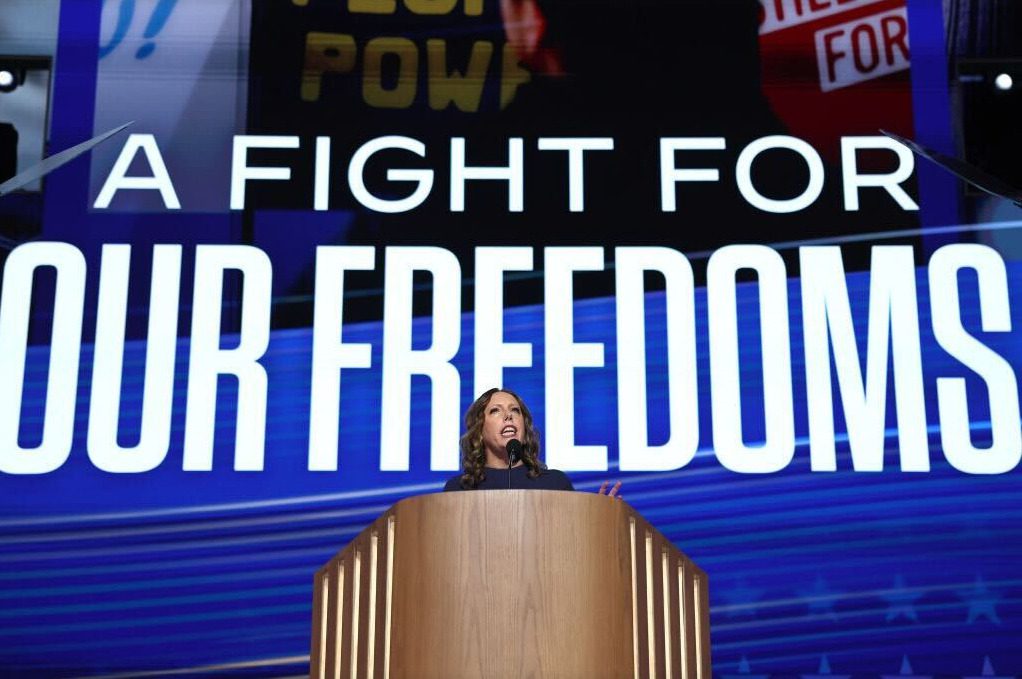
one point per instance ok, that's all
(510, 583)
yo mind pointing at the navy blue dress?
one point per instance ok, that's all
(497, 479)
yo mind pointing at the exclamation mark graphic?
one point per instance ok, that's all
(156, 23)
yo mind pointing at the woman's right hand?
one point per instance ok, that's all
(613, 491)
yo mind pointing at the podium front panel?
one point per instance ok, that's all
(510, 584)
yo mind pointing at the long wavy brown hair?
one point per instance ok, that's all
(473, 455)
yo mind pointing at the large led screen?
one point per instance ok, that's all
(234, 333)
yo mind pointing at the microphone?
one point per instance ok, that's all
(514, 451)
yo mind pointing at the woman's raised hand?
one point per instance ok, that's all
(613, 491)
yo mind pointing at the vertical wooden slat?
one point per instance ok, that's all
(371, 609)
(670, 598)
(676, 614)
(635, 597)
(697, 602)
(686, 635)
(356, 596)
(389, 605)
(642, 601)
(700, 605)
(320, 600)
(338, 598)
(366, 611)
(331, 651)
(378, 644)
(329, 584)
(651, 608)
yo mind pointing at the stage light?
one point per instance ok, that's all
(12, 75)
(1003, 82)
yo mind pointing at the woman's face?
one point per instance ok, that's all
(502, 421)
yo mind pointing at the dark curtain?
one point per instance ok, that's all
(983, 28)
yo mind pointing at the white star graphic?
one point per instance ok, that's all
(820, 599)
(982, 602)
(901, 601)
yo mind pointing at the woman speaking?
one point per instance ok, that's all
(500, 449)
